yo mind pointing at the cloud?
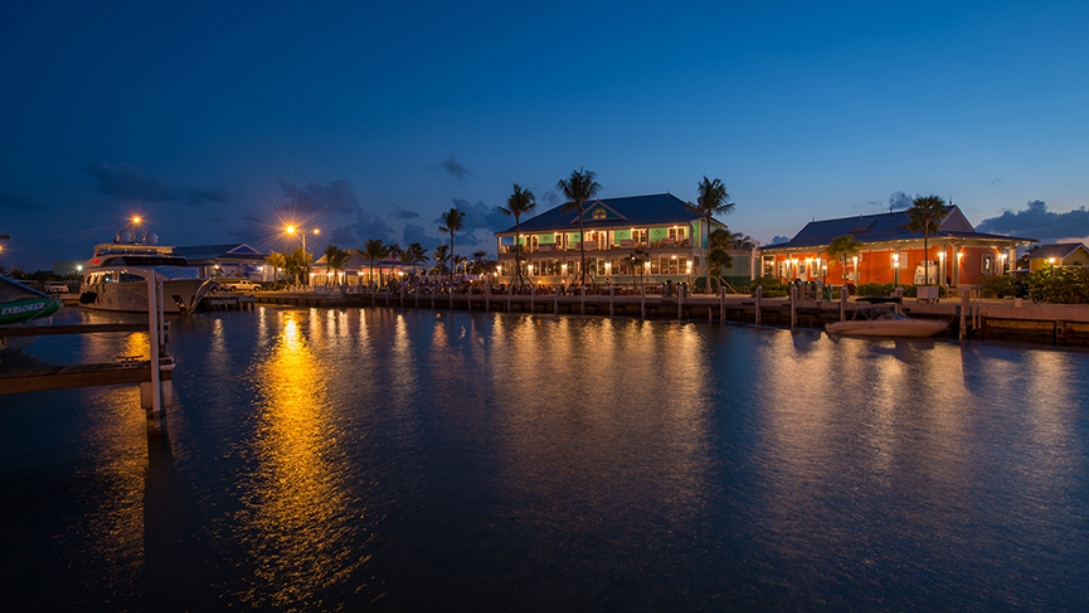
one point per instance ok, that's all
(900, 201)
(416, 234)
(996, 181)
(452, 166)
(370, 227)
(551, 198)
(127, 182)
(336, 197)
(19, 203)
(775, 240)
(218, 196)
(399, 213)
(480, 216)
(1037, 222)
(342, 237)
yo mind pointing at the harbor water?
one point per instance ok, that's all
(377, 459)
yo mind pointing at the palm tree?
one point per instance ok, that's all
(277, 261)
(926, 213)
(373, 250)
(479, 262)
(713, 200)
(844, 246)
(452, 221)
(414, 254)
(579, 188)
(718, 257)
(441, 255)
(335, 258)
(395, 250)
(521, 202)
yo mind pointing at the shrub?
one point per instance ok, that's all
(773, 288)
(998, 286)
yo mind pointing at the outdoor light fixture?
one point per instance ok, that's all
(896, 260)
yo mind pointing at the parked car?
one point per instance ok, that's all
(56, 287)
(238, 285)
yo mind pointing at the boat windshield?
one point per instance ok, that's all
(145, 260)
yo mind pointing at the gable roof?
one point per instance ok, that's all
(620, 212)
(1056, 250)
(232, 251)
(891, 226)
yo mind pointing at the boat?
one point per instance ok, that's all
(884, 323)
(22, 306)
(116, 277)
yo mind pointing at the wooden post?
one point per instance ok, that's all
(469, 298)
(759, 294)
(417, 295)
(532, 298)
(900, 300)
(611, 288)
(722, 303)
(843, 303)
(556, 301)
(793, 304)
(680, 301)
(582, 300)
(401, 290)
(963, 313)
(510, 287)
(642, 302)
(432, 299)
(487, 298)
(451, 296)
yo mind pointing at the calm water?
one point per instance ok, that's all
(377, 460)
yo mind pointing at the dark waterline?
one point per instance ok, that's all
(376, 459)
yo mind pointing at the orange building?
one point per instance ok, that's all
(890, 253)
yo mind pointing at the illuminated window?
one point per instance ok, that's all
(599, 214)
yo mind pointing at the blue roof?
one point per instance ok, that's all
(892, 226)
(619, 213)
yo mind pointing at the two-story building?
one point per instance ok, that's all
(632, 240)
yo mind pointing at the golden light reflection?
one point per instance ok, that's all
(295, 505)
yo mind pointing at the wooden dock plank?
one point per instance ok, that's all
(80, 375)
(73, 329)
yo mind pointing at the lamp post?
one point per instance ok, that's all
(291, 230)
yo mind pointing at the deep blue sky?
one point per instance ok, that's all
(370, 119)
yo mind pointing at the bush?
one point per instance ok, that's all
(773, 288)
(998, 286)
(887, 289)
(1060, 285)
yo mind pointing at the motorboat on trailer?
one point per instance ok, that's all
(885, 323)
(22, 306)
(116, 277)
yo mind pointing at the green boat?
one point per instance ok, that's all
(23, 306)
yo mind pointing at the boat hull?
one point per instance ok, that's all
(911, 328)
(179, 296)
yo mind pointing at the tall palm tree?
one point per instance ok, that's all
(479, 262)
(926, 213)
(373, 250)
(395, 250)
(521, 202)
(452, 221)
(844, 246)
(579, 189)
(335, 259)
(713, 200)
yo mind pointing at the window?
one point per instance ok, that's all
(599, 214)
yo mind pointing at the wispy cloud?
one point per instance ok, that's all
(452, 166)
(19, 203)
(131, 183)
(400, 213)
(1035, 221)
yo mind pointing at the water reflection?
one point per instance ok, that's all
(294, 522)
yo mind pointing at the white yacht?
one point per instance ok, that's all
(115, 278)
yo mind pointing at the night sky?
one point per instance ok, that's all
(221, 122)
